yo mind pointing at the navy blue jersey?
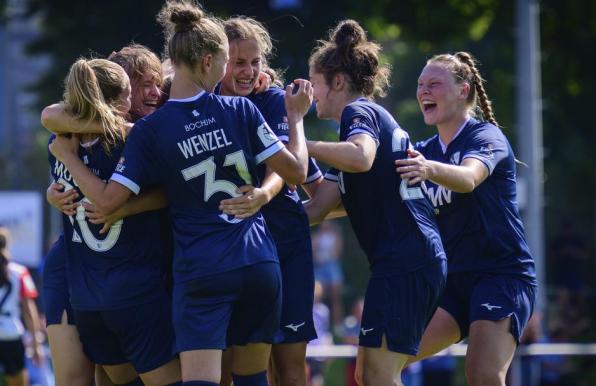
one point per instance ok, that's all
(482, 230)
(393, 222)
(285, 213)
(117, 270)
(200, 150)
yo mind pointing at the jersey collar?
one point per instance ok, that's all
(189, 99)
(443, 146)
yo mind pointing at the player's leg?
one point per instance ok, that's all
(490, 351)
(71, 365)
(381, 367)
(441, 332)
(297, 325)
(255, 323)
(226, 367)
(397, 309)
(289, 363)
(500, 308)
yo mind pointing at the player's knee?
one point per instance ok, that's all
(373, 377)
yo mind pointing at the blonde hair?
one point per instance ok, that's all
(462, 66)
(92, 89)
(189, 32)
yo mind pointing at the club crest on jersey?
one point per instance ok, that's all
(455, 158)
(266, 135)
(487, 151)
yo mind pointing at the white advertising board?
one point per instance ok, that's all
(22, 213)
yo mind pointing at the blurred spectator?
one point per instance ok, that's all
(316, 365)
(17, 303)
(570, 259)
(327, 244)
(555, 368)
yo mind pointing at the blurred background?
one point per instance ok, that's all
(40, 39)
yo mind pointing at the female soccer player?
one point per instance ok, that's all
(469, 172)
(392, 221)
(118, 294)
(250, 46)
(201, 147)
(17, 293)
(69, 362)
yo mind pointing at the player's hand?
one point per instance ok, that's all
(415, 169)
(298, 101)
(63, 146)
(62, 200)
(38, 355)
(248, 204)
(96, 216)
(263, 82)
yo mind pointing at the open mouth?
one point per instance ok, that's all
(151, 103)
(428, 106)
(245, 83)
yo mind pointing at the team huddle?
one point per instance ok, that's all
(186, 256)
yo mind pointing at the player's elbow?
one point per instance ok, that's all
(296, 176)
(359, 164)
(50, 118)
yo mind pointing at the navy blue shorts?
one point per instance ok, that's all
(142, 335)
(298, 291)
(54, 291)
(400, 306)
(231, 308)
(480, 296)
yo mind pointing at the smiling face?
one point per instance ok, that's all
(441, 100)
(243, 69)
(146, 93)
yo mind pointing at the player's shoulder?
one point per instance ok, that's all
(17, 268)
(483, 130)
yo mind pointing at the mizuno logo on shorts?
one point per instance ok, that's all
(295, 327)
(489, 306)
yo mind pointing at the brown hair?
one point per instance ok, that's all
(138, 60)
(189, 32)
(463, 67)
(245, 28)
(91, 89)
(348, 51)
